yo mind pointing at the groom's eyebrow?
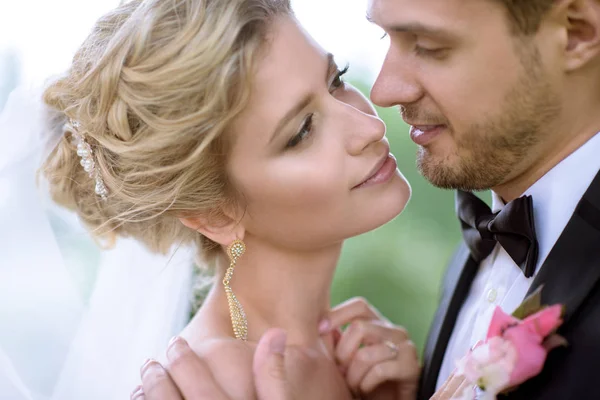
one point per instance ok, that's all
(415, 28)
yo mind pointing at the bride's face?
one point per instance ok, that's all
(304, 146)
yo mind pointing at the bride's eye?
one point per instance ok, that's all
(303, 133)
(337, 81)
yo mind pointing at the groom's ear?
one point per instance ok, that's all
(222, 228)
(581, 22)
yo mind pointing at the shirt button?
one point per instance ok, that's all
(492, 295)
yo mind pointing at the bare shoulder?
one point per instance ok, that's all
(230, 361)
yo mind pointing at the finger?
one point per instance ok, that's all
(459, 392)
(137, 393)
(344, 313)
(365, 333)
(337, 335)
(156, 383)
(453, 386)
(404, 368)
(379, 373)
(364, 360)
(437, 395)
(442, 389)
(191, 374)
(269, 367)
(139, 396)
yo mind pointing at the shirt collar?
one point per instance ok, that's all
(556, 194)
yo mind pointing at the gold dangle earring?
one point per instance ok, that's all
(238, 316)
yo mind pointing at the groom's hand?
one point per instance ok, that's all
(179, 379)
(270, 378)
(188, 377)
(454, 388)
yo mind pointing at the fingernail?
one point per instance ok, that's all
(138, 395)
(175, 348)
(145, 366)
(134, 392)
(324, 326)
(173, 339)
(277, 344)
(479, 343)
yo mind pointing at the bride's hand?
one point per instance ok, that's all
(377, 358)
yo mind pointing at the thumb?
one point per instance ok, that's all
(269, 367)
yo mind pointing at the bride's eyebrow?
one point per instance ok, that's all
(302, 104)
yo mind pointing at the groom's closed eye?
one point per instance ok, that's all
(431, 51)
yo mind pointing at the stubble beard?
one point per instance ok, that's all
(488, 153)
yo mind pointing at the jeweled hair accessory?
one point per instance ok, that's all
(84, 151)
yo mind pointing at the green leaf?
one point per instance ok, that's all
(553, 341)
(530, 305)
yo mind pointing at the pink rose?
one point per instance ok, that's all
(513, 352)
(489, 364)
(527, 337)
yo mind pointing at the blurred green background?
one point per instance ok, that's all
(399, 266)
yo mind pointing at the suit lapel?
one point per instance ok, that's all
(569, 274)
(461, 272)
(572, 268)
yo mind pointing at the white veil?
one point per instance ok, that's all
(76, 322)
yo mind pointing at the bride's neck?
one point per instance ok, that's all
(282, 288)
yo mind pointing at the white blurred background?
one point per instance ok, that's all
(39, 37)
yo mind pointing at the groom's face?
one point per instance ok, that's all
(477, 96)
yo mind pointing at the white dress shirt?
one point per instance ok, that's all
(499, 281)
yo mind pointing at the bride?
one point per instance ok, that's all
(223, 125)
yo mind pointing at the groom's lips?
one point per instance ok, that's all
(425, 134)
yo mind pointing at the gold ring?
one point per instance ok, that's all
(392, 346)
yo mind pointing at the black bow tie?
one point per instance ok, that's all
(512, 227)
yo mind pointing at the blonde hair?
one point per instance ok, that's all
(155, 87)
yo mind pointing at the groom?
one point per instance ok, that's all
(501, 95)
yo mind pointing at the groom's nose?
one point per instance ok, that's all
(396, 83)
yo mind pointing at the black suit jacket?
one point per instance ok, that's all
(571, 276)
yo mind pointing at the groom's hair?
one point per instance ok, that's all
(526, 15)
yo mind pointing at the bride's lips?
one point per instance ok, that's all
(383, 172)
(425, 134)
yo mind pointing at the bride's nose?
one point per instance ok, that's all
(362, 129)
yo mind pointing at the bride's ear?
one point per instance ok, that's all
(222, 229)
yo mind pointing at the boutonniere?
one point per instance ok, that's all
(515, 349)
